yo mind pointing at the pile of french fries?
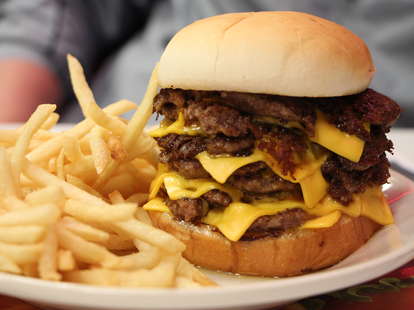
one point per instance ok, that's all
(69, 201)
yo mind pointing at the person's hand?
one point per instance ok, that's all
(23, 86)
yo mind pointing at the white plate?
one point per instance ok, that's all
(389, 248)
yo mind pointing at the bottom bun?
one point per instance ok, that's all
(291, 254)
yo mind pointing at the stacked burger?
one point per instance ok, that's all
(272, 146)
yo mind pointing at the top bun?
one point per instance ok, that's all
(280, 53)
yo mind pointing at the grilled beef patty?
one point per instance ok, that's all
(230, 126)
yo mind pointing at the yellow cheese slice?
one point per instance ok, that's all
(156, 204)
(337, 141)
(314, 188)
(323, 221)
(375, 207)
(308, 174)
(236, 218)
(178, 187)
(177, 127)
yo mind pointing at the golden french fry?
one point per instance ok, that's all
(160, 276)
(66, 261)
(139, 198)
(21, 253)
(8, 187)
(138, 230)
(116, 148)
(143, 216)
(142, 114)
(7, 265)
(145, 147)
(53, 146)
(72, 148)
(186, 283)
(60, 165)
(100, 151)
(38, 215)
(99, 213)
(83, 169)
(13, 203)
(48, 259)
(189, 271)
(22, 234)
(116, 197)
(50, 122)
(82, 185)
(85, 231)
(8, 137)
(45, 178)
(47, 195)
(87, 101)
(85, 251)
(33, 124)
(125, 183)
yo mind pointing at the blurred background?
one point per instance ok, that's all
(118, 42)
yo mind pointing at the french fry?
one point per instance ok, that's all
(51, 194)
(21, 254)
(83, 250)
(100, 151)
(50, 122)
(45, 178)
(87, 101)
(48, 259)
(12, 203)
(116, 197)
(71, 148)
(53, 146)
(66, 261)
(142, 114)
(8, 265)
(188, 271)
(8, 187)
(138, 230)
(116, 148)
(33, 124)
(60, 165)
(38, 215)
(22, 234)
(160, 276)
(85, 231)
(101, 213)
(82, 185)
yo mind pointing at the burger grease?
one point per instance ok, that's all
(272, 146)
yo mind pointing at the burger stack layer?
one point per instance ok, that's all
(288, 157)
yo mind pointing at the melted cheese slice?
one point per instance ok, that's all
(235, 219)
(309, 174)
(177, 127)
(337, 141)
(323, 221)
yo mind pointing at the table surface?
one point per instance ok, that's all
(391, 291)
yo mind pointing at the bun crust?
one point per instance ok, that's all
(288, 255)
(281, 53)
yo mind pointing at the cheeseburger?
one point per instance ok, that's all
(272, 145)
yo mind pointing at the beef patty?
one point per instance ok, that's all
(230, 125)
